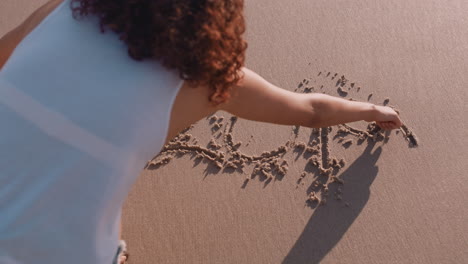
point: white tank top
(79, 120)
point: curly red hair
(201, 39)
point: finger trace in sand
(272, 164)
(409, 136)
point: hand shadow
(330, 222)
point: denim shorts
(122, 247)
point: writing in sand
(224, 153)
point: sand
(234, 191)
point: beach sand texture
(229, 190)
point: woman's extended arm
(256, 99)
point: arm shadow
(330, 222)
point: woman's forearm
(257, 99)
(332, 110)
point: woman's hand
(386, 118)
(123, 259)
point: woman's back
(75, 110)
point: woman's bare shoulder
(10, 40)
(191, 105)
(37, 16)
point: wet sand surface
(229, 190)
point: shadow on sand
(329, 223)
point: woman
(90, 90)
